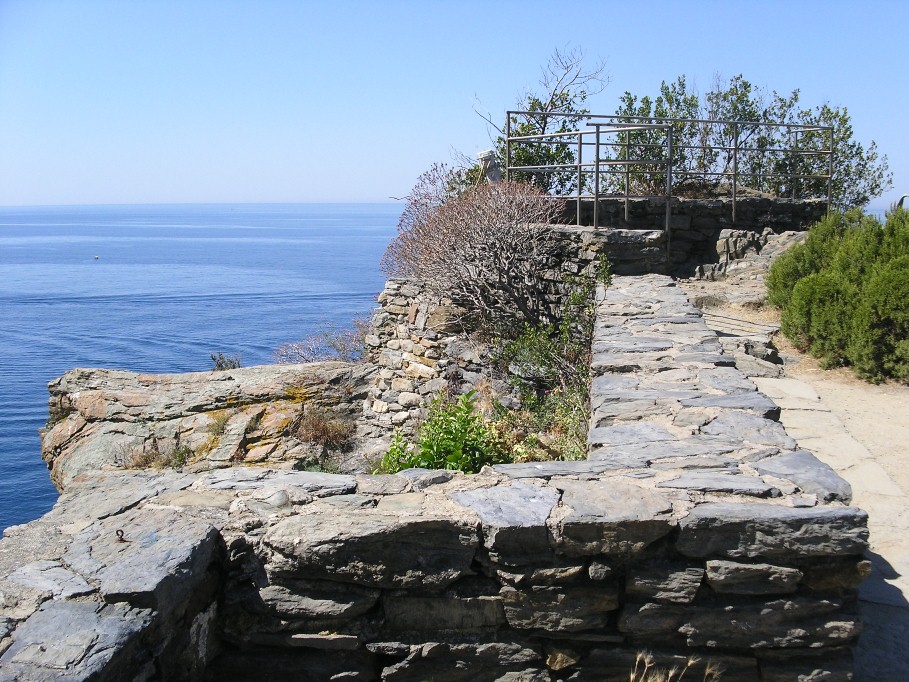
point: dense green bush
(844, 293)
(880, 329)
(814, 318)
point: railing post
(627, 176)
(580, 166)
(830, 173)
(735, 167)
(596, 180)
(507, 145)
(669, 195)
(793, 145)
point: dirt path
(875, 415)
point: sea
(159, 288)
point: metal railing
(654, 158)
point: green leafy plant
(453, 436)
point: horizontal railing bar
(673, 119)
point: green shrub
(453, 436)
(895, 235)
(816, 253)
(879, 346)
(815, 319)
(845, 293)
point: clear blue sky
(147, 101)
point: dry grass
(323, 428)
(646, 670)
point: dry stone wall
(704, 235)
(695, 527)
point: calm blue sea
(157, 289)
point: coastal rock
(112, 418)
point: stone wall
(703, 232)
(695, 527)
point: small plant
(219, 422)
(323, 428)
(222, 362)
(152, 457)
(400, 452)
(322, 465)
(453, 436)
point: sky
(213, 101)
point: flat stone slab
(769, 530)
(550, 469)
(808, 473)
(70, 640)
(719, 482)
(51, 576)
(513, 518)
(622, 434)
(749, 428)
(752, 402)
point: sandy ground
(875, 415)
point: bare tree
(486, 247)
(557, 106)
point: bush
(485, 247)
(814, 318)
(844, 293)
(221, 362)
(453, 436)
(879, 345)
(345, 344)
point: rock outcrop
(102, 418)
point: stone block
(664, 582)
(320, 599)
(513, 519)
(612, 516)
(795, 622)
(560, 609)
(732, 577)
(161, 560)
(769, 530)
(376, 549)
(422, 614)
